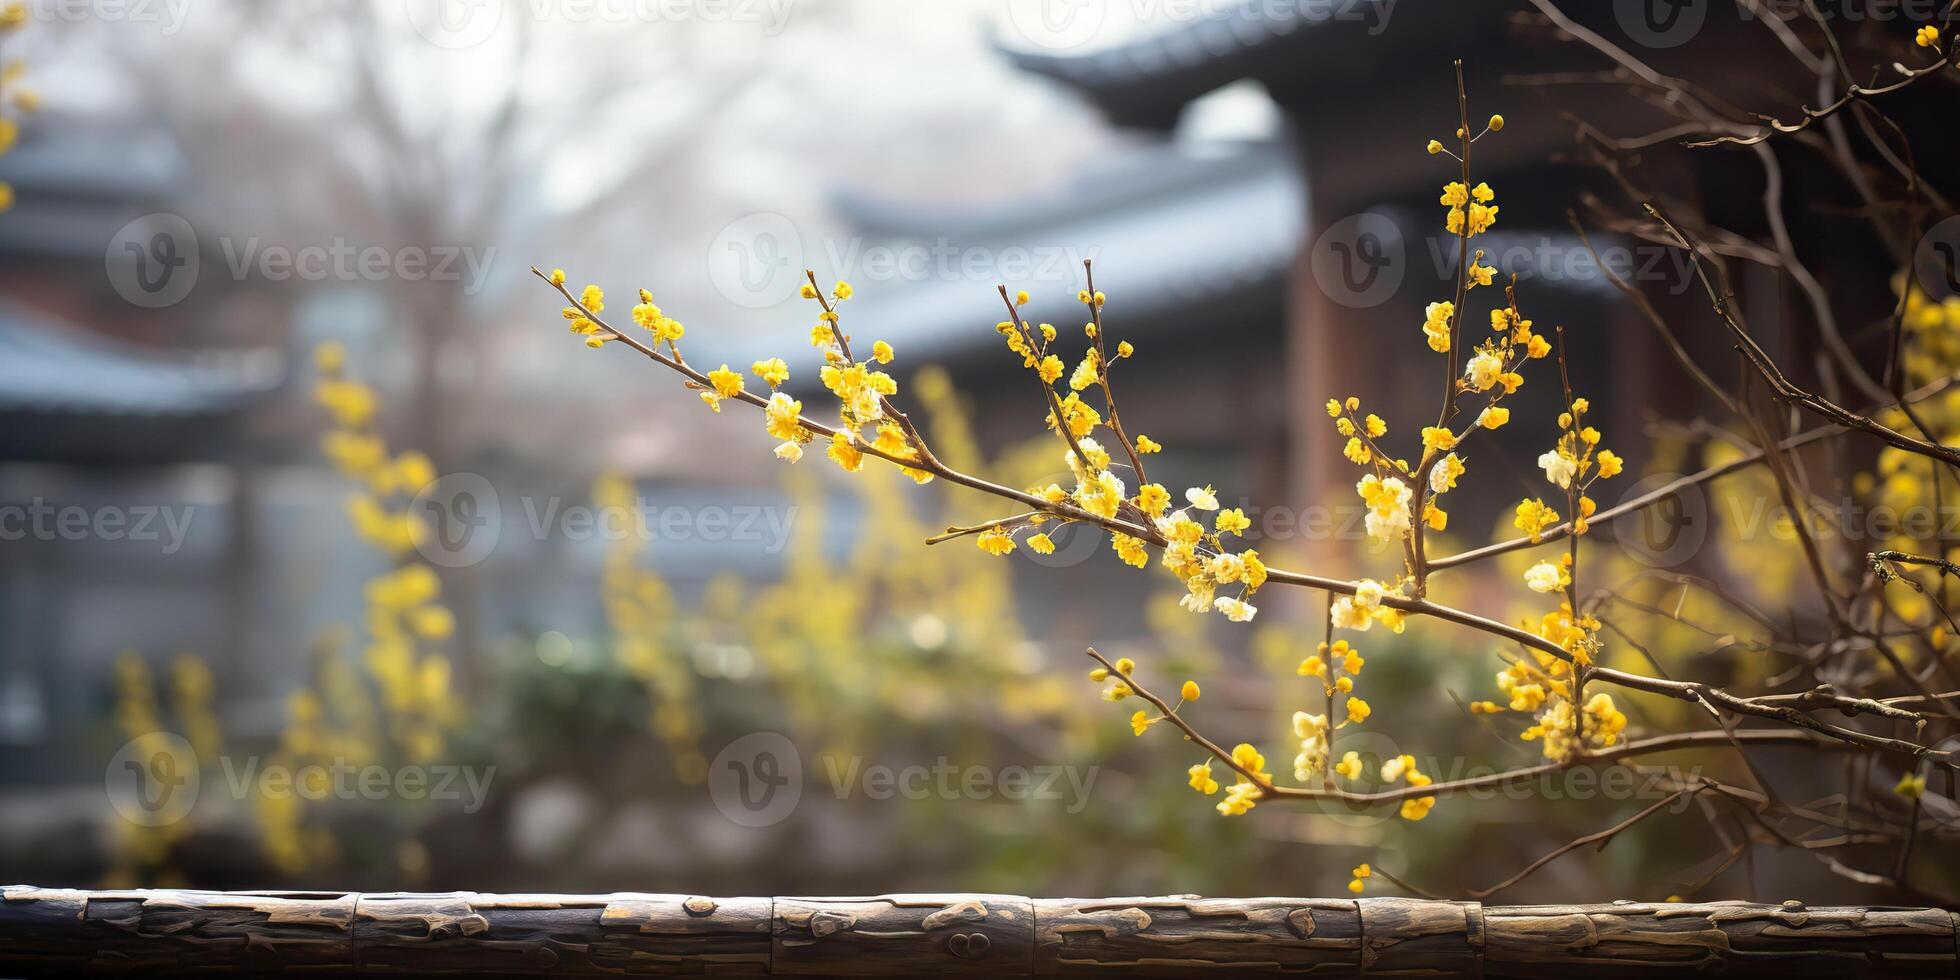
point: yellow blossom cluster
(405, 616)
(641, 611)
(141, 853)
(1543, 687)
(16, 98)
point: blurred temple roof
(1234, 212)
(50, 368)
(1144, 82)
(78, 180)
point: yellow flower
(1132, 551)
(1928, 37)
(1493, 416)
(1356, 886)
(1021, 298)
(1232, 520)
(773, 371)
(1203, 498)
(1496, 124)
(995, 541)
(1349, 767)
(1201, 778)
(1189, 691)
(1435, 437)
(1248, 759)
(1085, 372)
(845, 453)
(1434, 147)
(1239, 798)
(1443, 476)
(1533, 517)
(1436, 319)
(558, 277)
(842, 289)
(1041, 545)
(1140, 722)
(1911, 786)
(1358, 710)
(807, 291)
(1147, 445)
(592, 298)
(728, 384)
(1313, 666)
(882, 352)
(1255, 571)
(1123, 349)
(1050, 369)
(1610, 464)
(790, 451)
(1455, 195)
(782, 417)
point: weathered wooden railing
(55, 931)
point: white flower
(790, 451)
(1443, 475)
(1543, 577)
(1368, 594)
(1203, 499)
(1559, 468)
(1393, 769)
(1349, 616)
(1388, 507)
(1236, 610)
(1483, 370)
(1194, 604)
(1308, 726)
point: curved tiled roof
(50, 368)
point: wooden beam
(63, 932)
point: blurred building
(121, 426)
